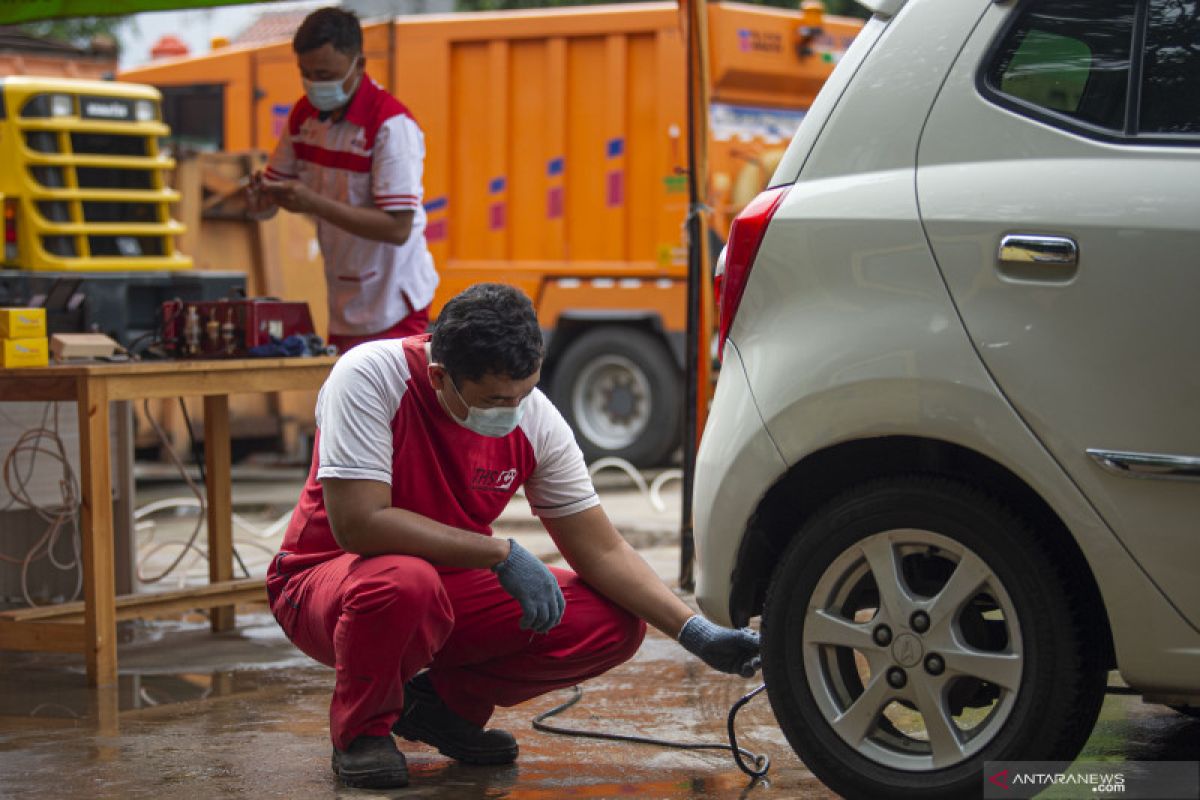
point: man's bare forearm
(609, 565)
(403, 532)
(365, 221)
(364, 521)
(624, 577)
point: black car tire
(1048, 716)
(648, 389)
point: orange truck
(556, 161)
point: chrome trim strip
(1148, 465)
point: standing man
(389, 572)
(351, 155)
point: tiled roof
(272, 26)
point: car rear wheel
(917, 628)
(620, 391)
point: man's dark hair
(488, 328)
(329, 25)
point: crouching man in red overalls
(389, 572)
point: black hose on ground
(761, 763)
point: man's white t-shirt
(379, 419)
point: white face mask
(495, 422)
(329, 95)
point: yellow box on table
(31, 352)
(22, 323)
(23, 340)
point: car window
(1069, 57)
(1170, 101)
(1048, 70)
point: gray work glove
(533, 585)
(732, 650)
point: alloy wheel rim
(913, 692)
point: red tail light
(10, 222)
(744, 239)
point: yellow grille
(90, 192)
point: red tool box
(230, 328)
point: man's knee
(631, 633)
(618, 633)
(402, 585)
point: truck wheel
(620, 391)
(917, 628)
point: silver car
(953, 455)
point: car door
(1059, 185)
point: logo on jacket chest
(484, 479)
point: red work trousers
(414, 324)
(379, 621)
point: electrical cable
(762, 763)
(196, 455)
(58, 518)
(270, 531)
(156, 336)
(191, 542)
(652, 492)
(29, 471)
(62, 710)
(147, 549)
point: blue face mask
(495, 422)
(329, 95)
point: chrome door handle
(1028, 248)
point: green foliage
(845, 8)
(78, 31)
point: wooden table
(91, 625)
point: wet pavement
(260, 730)
(244, 714)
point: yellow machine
(83, 180)
(88, 231)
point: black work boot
(427, 719)
(371, 762)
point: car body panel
(735, 466)
(873, 350)
(1104, 355)
(831, 92)
(848, 330)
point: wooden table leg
(217, 456)
(104, 706)
(99, 584)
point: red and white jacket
(373, 156)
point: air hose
(756, 768)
